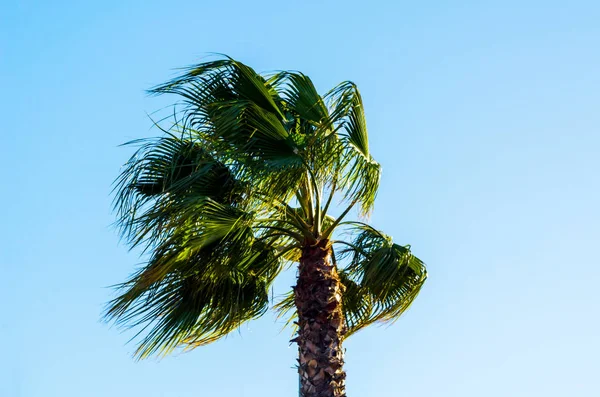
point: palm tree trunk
(321, 328)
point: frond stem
(330, 229)
(294, 235)
(302, 225)
(317, 210)
(333, 186)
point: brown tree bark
(318, 298)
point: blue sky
(484, 115)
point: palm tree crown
(232, 193)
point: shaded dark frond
(382, 278)
(245, 131)
(165, 171)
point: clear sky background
(484, 114)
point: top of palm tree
(232, 192)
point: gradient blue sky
(484, 114)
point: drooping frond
(382, 278)
(199, 300)
(361, 172)
(165, 175)
(208, 275)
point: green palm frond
(203, 83)
(361, 173)
(234, 112)
(348, 106)
(301, 97)
(193, 307)
(164, 172)
(382, 278)
(205, 279)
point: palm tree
(238, 189)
